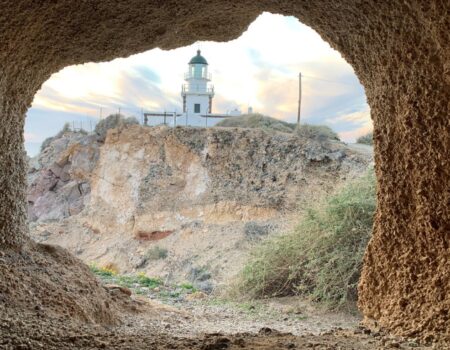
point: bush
(366, 139)
(187, 286)
(268, 124)
(319, 132)
(113, 121)
(106, 271)
(257, 121)
(156, 253)
(322, 257)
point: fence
(89, 121)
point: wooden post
(299, 99)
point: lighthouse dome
(198, 59)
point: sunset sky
(259, 69)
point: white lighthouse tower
(197, 93)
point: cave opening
(399, 52)
(181, 215)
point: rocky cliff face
(59, 178)
(199, 196)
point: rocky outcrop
(172, 189)
(59, 178)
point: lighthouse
(197, 92)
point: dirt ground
(50, 300)
(32, 332)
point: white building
(197, 93)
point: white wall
(203, 100)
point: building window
(197, 108)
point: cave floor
(165, 327)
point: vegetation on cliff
(65, 129)
(113, 121)
(322, 257)
(270, 124)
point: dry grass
(322, 257)
(269, 124)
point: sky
(259, 69)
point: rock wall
(59, 179)
(399, 50)
(143, 172)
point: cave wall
(400, 52)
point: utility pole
(299, 99)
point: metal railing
(195, 75)
(186, 88)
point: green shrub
(187, 286)
(320, 132)
(150, 282)
(366, 139)
(322, 257)
(102, 271)
(139, 280)
(156, 253)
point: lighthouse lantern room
(197, 93)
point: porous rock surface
(400, 52)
